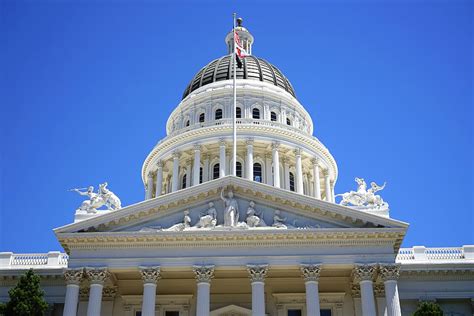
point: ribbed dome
(254, 68)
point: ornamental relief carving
(204, 273)
(150, 274)
(74, 276)
(364, 272)
(389, 272)
(97, 276)
(257, 273)
(311, 272)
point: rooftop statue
(96, 200)
(362, 197)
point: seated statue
(210, 219)
(278, 221)
(253, 219)
(181, 226)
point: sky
(87, 86)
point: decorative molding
(204, 274)
(97, 275)
(389, 271)
(74, 276)
(310, 272)
(150, 274)
(257, 273)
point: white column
(299, 172)
(159, 179)
(327, 183)
(197, 164)
(97, 279)
(150, 276)
(311, 276)
(249, 160)
(204, 274)
(222, 158)
(188, 172)
(317, 181)
(73, 279)
(205, 169)
(268, 169)
(257, 275)
(390, 274)
(149, 186)
(276, 165)
(365, 274)
(175, 180)
(286, 170)
(331, 184)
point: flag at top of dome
(240, 52)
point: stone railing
(421, 254)
(50, 260)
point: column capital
(249, 141)
(315, 161)
(74, 276)
(188, 162)
(197, 147)
(257, 273)
(389, 271)
(326, 172)
(97, 275)
(175, 154)
(379, 290)
(204, 274)
(355, 290)
(275, 145)
(159, 163)
(150, 175)
(150, 274)
(222, 142)
(298, 151)
(364, 272)
(310, 272)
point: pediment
(231, 310)
(165, 213)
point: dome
(253, 68)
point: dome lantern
(245, 37)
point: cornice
(433, 273)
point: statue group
(103, 197)
(364, 197)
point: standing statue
(254, 220)
(210, 219)
(96, 200)
(278, 221)
(231, 209)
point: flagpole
(234, 112)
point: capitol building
(269, 236)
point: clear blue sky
(87, 86)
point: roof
(253, 68)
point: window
(183, 182)
(273, 116)
(288, 121)
(257, 172)
(218, 114)
(238, 169)
(172, 313)
(215, 171)
(256, 113)
(238, 113)
(187, 123)
(326, 312)
(201, 118)
(200, 175)
(292, 182)
(294, 312)
(138, 313)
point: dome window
(292, 182)
(218, 114)
(273, 116)
(238, 169)
(183, 182)
(202, 118)
(238, 112)
(256, 113)
(215, 171)
(288, 121)
(200, 175)
(187, 123)
(257, 172)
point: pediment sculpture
(364, 198)
(103, 197)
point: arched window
(292, 182)
(218, 114)
(238, 113)
(273, 116)
(200, 175)
(201, 117)
(238, 169)
(183, 182)
(216, 171)
(187, 123)
(256, 113)
(257, 172)
(288, 121)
